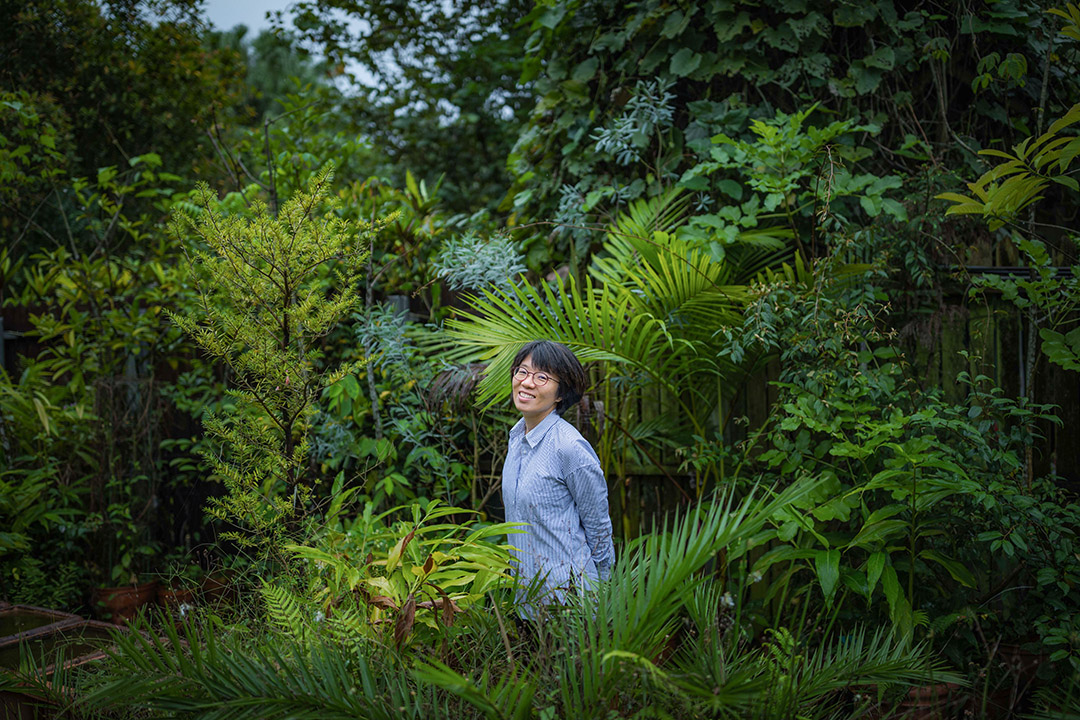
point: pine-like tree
(270, 287)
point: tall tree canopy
(132, 76)
(630, 96)
(436, 84)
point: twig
(505, 637)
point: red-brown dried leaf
(382, 601)
(449, 608)
(404, 625)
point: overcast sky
(226, 14)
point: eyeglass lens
(539, 378)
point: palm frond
(878, 659)
(636, 226)
(784, 679)
(597, 323)
(507, 699)
(676, 282)
(192, 672)
(1058, 703)
(632, 613)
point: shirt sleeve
(589, 490)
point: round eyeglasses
(540, 378)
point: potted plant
(177, 588)
(125, 550)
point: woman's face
(533, 400)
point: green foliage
(1014, 185)
(1023, 177)
(32, 432)
(271, 288)
(1036, 529)
(606, 658)
(202, 672)
(33, 141)
(1049, 294)
(127, 76)
(910, 485)
(81, 424)
(45, 583)
(472, 262)
(615, 640)
(651, 306)
(437, 94)
(718, 175)
(714, 69)
(405, 419)
(411, 573)
(786, 174)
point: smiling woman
(552, 479)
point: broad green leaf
(394, 556)
(382, 585)
(874, 565)
(884, 58)
(959, 573)
(675, 24)
(552, 15)
(827, 566)
(891, 585)
(784, 553)
(684, 62)
(878, 532)
(1062, 349)
(585, 70)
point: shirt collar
(537, 434)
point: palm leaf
(191, 672)
(597, 323)
(644, 217)
(633, 613)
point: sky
(226, 14)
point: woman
(552, 478)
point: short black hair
(561, 362)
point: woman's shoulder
(571, 444)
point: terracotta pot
(1017, 668)
(939, 701)
(174, 597)
(219, 586)
(119, 605)
(1024, 663)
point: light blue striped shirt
(552, 480)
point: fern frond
(283, 611)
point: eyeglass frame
(534, 373)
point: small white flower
(184, 609)
(319, 616)
(755, 577)
(727, 600)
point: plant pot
(173, 597)
(219, 586)
(119, 605)
(1023, 663)
(1017, 669)
(939, 701)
